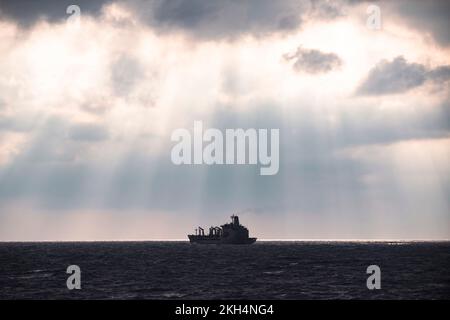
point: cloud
(88, 132)
(431, 16)
(125, 74)
(328, 9)
(28, 12)
(398, 76)
(201, 18)
(17, 124)
(55, 172)
(205, 19)
(229, 19)
(221, 19)
(393, 77)
(313, 61)
(440, 74)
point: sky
(88, 104)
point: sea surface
(264, 270)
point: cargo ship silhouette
(229, 233)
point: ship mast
(235, 220)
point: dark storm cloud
(201, 18)
(27, 12)
(313, 61)
(217, 19)
(430, 16)
(230, 18)
(398, 75)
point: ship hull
(219, 240)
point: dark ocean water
(265, 270)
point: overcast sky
(87, 111)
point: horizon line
(258, 240)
